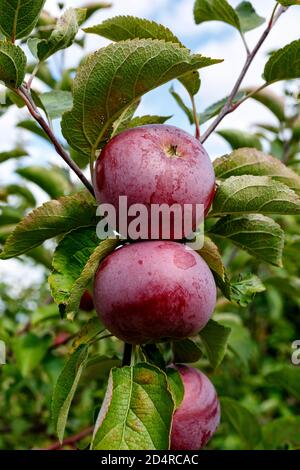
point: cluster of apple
(157, 290)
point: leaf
(188, 111)
(249, 161)
(248, 17)
(243, 421)
(12, 64)
(9, 215)
(122, 28)
(274, 103)
(31, 126)
(238, 139)
(211, 255)
(15, 153)
(89, 331)
(29, 351)
(215, 10)
(92, 8)
(146, 120)
(283, 64)
(65, 389)
(61, 37)
(52, 180)
(50, 220)
(215, 108)
(186, 351)
(281, 432)
(153, 355)
(19, 17)
(258, 235)
(254, 195)
(286, 378)
(243, 291)
(18, 190)
(124, 119)
(215, 337)
(136, 412)
(176, 386)
(288, 3)
(75, 262)
(113, 78)
(57, 102)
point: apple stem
(196, 118)
(229, 106)
(127, 354)
(26, 97)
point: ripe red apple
(155, 164)
(153, 290)
(198, 416)
(86, 302)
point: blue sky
(213, 39)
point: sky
(213, 39)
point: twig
(127, 355)
(33, 75)
(227, 108)
(24, 94)
(245, 43)
(196, 118)
(71, 440)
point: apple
(154, 290)
(86, 302)
(155, 164)
(198, 416)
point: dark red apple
(155, 164)
(198, 416)
(86, 302)
(153, 290)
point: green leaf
(211, 255)
(16, 153)
(146, 120)
(124, 119)
(249, 161)
(56, 102)
(75, 262)
(243, 291)
(50, 220)
(243, 421)
(281, 432)
(122, 28)
(175, 385)
(238, 139)
(215, 10)
(12, 64)
(186, 351)
(283, 64)
(286, 378)
(215, 108)
(31, 126)
(19, 17)
(153, 355)
(52, 180)
(44, 313)
(258, 235)
(104, 88)
(29, 351)
(215, 338)
(89, 331)
(254, 195)
(188, 111)
(61, 37)
(123, 424)
(248, 17)
(65, 389)
(92, 8)
(9, 215)
(274, 103)
(18, 190)
(288, 3)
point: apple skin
(86, 302)
(140, 163)
(198, 416)
(154, 290)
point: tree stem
(127, 355)
(229, 107)
(71, 440)
(24, 94)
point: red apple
(155, 164)
(198, 416)
(86, 302)
(154, 290)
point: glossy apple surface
(154, 290)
